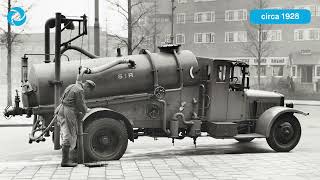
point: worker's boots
(65, 158)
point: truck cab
(233, 110)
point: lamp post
(172, 20)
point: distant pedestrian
(71, 109)
(291, 86)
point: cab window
(221, 76)
(237, 75)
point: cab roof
(234, 62)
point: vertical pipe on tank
(50, 23)
(203, 94)
(164, 116)
(24, 69)
(154, 69)
(57, 84)
(96, 29)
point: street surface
(149, 159)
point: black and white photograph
(160, 89)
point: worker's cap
(91, 84)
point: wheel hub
(105, 140)
(286, 131)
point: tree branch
(118, 5)
(141, 40)
(139, 17)
(124, 15)
(136, 4)
(121, 39)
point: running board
(251, 135)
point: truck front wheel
(105, 139)
(285, 133)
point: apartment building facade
(221, 29)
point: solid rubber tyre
(285, 133)
(105, 139)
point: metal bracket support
(54, 82)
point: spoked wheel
(244, 140)
(106, 139)
(285, 134)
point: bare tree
(8, 38)
(135, 13)
(258, 46)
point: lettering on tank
(122, 76)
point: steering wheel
(236, 79)
(237, 87)
(234, 85)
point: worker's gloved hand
(80, 115)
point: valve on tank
(16, 110)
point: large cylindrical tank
(119, 80)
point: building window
(182, 1)
(262, 61)
(162, 19)
(277, 70)
(314, 34)
(263, 71)
(306, 73)
(202, 17)
(229, 16)
(307, 34)
(180, 38)
(272, 35)
(236, 36)
(181, 18)
(236, 15)
(198, 38)
(294, 71)
(299, 34)
(242, 14)
(311, 8)
(317, 68)
(207, 37)
(168, 38)
(229, 36)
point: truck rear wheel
(106, 139)
(285, 133)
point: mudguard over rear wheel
(285, 133)
(105, 139)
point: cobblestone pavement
(148, 159)
(225, 166)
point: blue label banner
(280, 16)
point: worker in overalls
(71, 109)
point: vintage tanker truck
(171, 94)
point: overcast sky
(44, 9)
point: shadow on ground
(233, 148)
